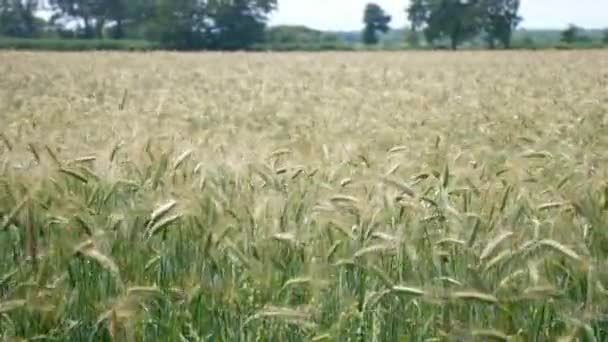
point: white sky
(348, 14)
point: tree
(500, 19)
(287, 34)
(85, 10)
(412, 38)
(122, 15)
(375, 20)
(573, 34)
(238, 24)
(456, 20)
(134, 18)
(605, 37)
(209, 24)
(17, 18)
(96, 15)
(418, 13)
(569, 34)
(179, 24)
(117, 11)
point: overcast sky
(348, 14)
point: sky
(348, 14)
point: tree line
(453, 20)
(459, 21)
(242, 24)
(180, 24)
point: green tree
(238, 24)
(179, 24)
(287, 34)
(413, 38)
(573, 34)
(419, 13)
(87, 11)
(605, 37)
(117, 12)
(499, 19)
(209, 24)
(300, 37)
(456, 20)
(17, 18)
(134, 18)
(569, 35)
(375, 20)
(122, 15)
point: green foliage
(17, 18)
(89, 11)
(459, 21)
(195, 24)
(575, 35)
(179, 24)
(570, 35)
(292, 38)
(413, 38)
(500, 19)
(57, 44)
(238, 24)
(376, 20)
(119, 11)
(525, 42)
(418, 13)
(293, 34)
(455, 20)
(241, 24)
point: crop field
(423, 196)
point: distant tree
(456, 20)
(292, 34)
(499, 19)
(331, 40)
(96, 15)
(413, 38)
(418, 13)
(298, 37)
(605, 37)
(17, 18)
(209, 24)
(118, 11)
(529, 42)
(375, 20)
(136, 20)
(238, 24)
(573, 34)
(86, 11)
(570, 35)
(179, 24)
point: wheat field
(424, 196)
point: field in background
(298, 197)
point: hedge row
(57, 44)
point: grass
(304, 197)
